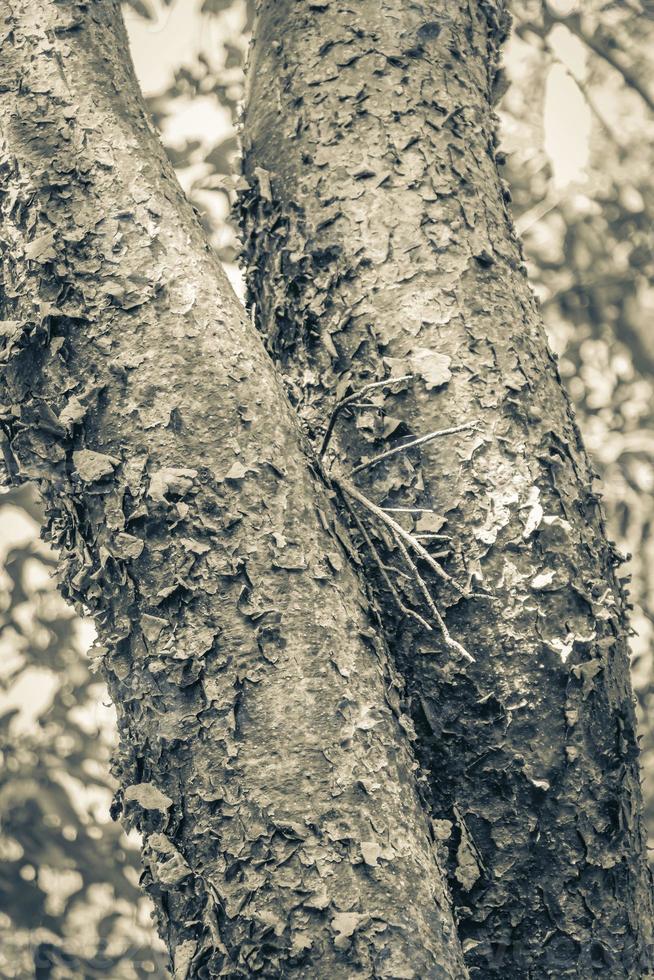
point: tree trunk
(263, 750)
(379, 243)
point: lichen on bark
(263, 749)
(377, 238)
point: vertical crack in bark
(263, 749)
(378, 243)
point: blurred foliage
(68, 876)
(69, 895)
(213, 79)
(590, 254)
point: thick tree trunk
(263, 751)
(378, 242)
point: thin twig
(449, 640)
(409, 539)
(384, 572)
(350, 400)
(403, 539)
(411, 445)
(396, 571)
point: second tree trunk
(379, 244)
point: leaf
(264, 183)
(152, 627)
(127, 546)
(73, 411)
(148, 796)
(196, 547)
(429, 523)
(543, 580)
(344, 925)
(40, 249)
(236, 471)
(467, 870)
(184, 954)
(92, 466)
(432, 367)
(170, 479)
(370, 852)
(586, 672)
(318, 900)
(171, 867)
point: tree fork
(263, 751)
(378, 243)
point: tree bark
(263, 751)
(378, 243)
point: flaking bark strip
(263, 751)
(378, 242)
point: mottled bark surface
(379, 242)
(263, 751)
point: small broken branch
(422, 585)
(404, 539)
(409, 539)
(404, 609)
(411, 445)
(396, 571)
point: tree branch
(420, 441)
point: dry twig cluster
(409, 545)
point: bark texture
(378, 243)
(263, 750)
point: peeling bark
(263, 750)
(379, 243)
